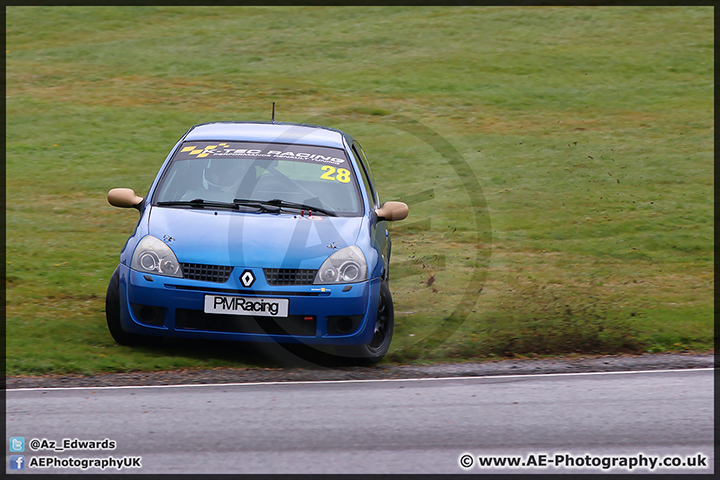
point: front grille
(206, 273)
(296, 325)
(289, 276)
(233, 291)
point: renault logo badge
(247, 278)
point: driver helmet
(224, 174)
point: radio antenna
(273, 113)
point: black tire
(112, 314)
(374, 351)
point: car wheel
(374, 351)
(112, 314)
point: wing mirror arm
(124, 198)
(392, 211)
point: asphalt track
(381, 426)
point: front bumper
(316, 314)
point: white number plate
(261, 307)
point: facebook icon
(17, 462)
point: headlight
(345, 266)
(153, 256)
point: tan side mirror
(123, 197)
(392, 211)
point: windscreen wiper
(285, 204)
(264, 206)
(197, 203)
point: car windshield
(244, 173)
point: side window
(366, 174)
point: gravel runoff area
(383, 371)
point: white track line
(315, 382)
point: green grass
(582, 136)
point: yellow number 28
(343, 175)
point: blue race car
(261, 232)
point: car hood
(252, 240)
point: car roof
(276, 132)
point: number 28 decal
(343, 175)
